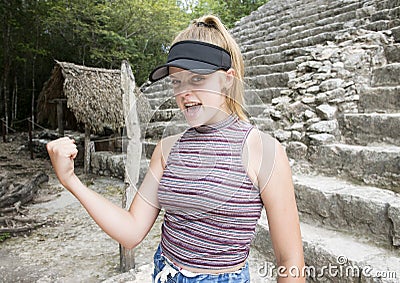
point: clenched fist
(62, 154)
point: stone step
(165, 115)
(396, 33)
(286, 51)
(301, 40)
(361, 210)
(349, 258)
(382, 99)
(392, 53)
(162, 102)
(306, 27)
(269, 14)
(387, 75)
(162, 94)
(365, 128)
(377, 165)
(255, 110)
(321, 15)
(144, 167)
(148, 147)
(386, 14)
(288, 55)
(157, 130)
(271, 80)
(381, 25)
(270, 69)
(266, 125)
(264, 94)
(385, 4)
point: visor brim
(185, 64)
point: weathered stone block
(387, 75)
(367, 128)
(326, 111)
(392, 53)
(330, 126)
(382, 99)
(348, 207)
(320, 139)
(296, 150)
(372, 165)
(331, 84)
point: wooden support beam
(133, 152)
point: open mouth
(192, 109)
(192, 104)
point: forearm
(112, 219)
(291, 271)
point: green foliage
(103, 33)
(98, 33)
(228, 11)
(4, 236)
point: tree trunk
(133, 152)
(6, 58)
(14, 101)
(33, 94)
(60, 117)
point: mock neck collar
(224, 123)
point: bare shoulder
(259, 156)
(258, 139)
(164, 146)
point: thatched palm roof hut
(93, 97)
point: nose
(182, 91)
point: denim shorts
(166, 272)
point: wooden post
(60, 117)
(30, 137)
(3, 130)
(133, 152)
(86, 164)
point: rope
(16, 122)
(4, 123)
(110, 139)
(29, 119)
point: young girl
(212, 180)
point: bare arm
(274, 178)
(126, 227)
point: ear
(230, 78)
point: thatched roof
(93, 95)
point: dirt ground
(70, 247)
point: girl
(212, 180)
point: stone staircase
(346, 189)
(303, 58)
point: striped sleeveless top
(211, 206)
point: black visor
(196, 56)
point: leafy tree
(102, 33)
(229, 11)
(97, 33)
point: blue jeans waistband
(166, 271)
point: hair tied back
(205, 25)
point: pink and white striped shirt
(211, 205)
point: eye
(175, 82)
(197, 78)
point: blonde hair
(215, 32)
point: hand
(62, 154)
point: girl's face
(202, 98)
